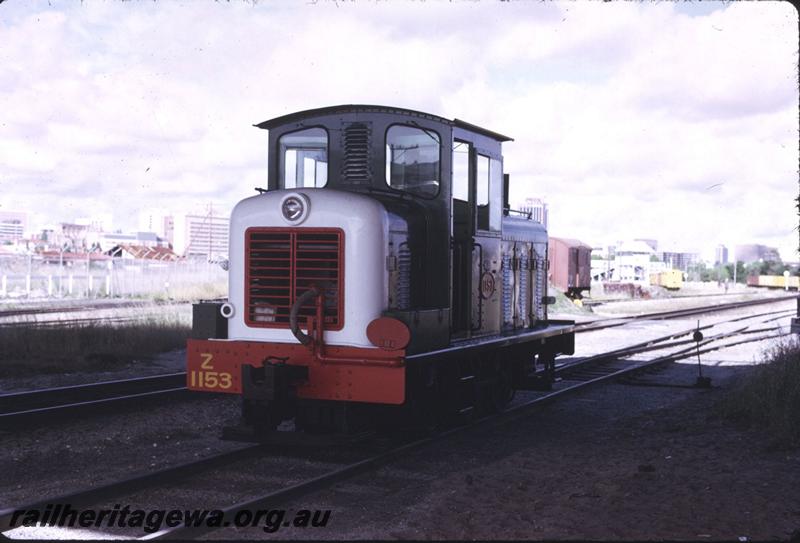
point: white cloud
(623, 113)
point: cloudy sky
(668, 120)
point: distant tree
(723, 273)
(741, 272)
(773, 268)
(699, 272)
(654, 258)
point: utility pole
(210, 226)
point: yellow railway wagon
(774, 281)
(770, 281)
(779, 281)
(669, 279)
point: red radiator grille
(282, 263)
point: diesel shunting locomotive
(379, 276)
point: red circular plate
(388, 333)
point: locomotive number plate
(207, 378)
(487, 285)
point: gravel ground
(171, 362)
(615, 462)
(54, 459)
(618, 309)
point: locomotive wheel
(502, 391)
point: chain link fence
(35, 277)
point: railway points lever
(702, 382)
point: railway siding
(323, 479)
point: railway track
(77, 307)
(600, 301)
(87, 315)
(337, 466)
(86, 321)
(601, 324)
(22, 408)
(29, 407)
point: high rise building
(753, 252)
(156, 220)
(677, 260)
(201, 235)
(13, 225)
(101, 222)
(721, 255)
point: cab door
(477, 185)
(463, 230)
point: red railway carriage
(378, 277)
(570, 263)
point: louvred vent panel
(356, 160)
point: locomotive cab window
(303, 159)
(461, 171)
(489, 180)
(495, 194)
(412, 160)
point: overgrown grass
(187, 292)
(95, 346)
(769, 398)
(193, 292)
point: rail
(573, 378)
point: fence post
(110, 277)
(69, 284)
(90, 288)
(28, 276)
(4, 286)
(49, 285)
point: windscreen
(304, 159)
(412, 160)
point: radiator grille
(282, 263)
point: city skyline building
(678, 260)
(201, 235)
(721, 255)
(752, 252)
(99, 222)
(13, 225)
(156, 220)
(537, 208)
